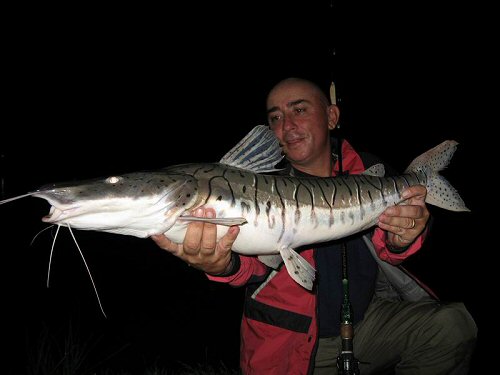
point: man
(289, 330)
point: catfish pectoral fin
(227, 221)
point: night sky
(97, 92)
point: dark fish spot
(188, 195)
(244, 188)
(219, 198)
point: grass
(66, 353)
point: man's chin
(292, 156)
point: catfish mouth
(53, 215)
(56, 214)
(60, 205)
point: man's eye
(274, 118)
(300, 110)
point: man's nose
(288, 122)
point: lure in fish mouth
(277, 213)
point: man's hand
(404, 223)
(200, 248)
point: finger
(400, 237)
(415, 194)
(401, 225)
(394, 229)
(209, 235)
(164, 243)
(401, 241)
(396, 219)
(404, 211)
(226, 242)
(194, 232)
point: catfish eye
(113, 179)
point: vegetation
(68, 354)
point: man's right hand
(200, 248)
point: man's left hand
(405, 222)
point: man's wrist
(232, 267)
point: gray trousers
(400, 337)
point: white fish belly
(271, 230)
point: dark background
(92, 92)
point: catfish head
(139, 204)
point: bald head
(294, 83)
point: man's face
(298, 115)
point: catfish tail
(440, 192)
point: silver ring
(412, 224)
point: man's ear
(333, 116)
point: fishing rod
(347, 364)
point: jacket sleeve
(379, 241)
(251, 269)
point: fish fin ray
(377, 170)
(442, 194)
(438, 157)
(259, 151)
(272, 261)
(227, 221)
(298, 268)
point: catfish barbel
(276, 213)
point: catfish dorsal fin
(259, 151)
